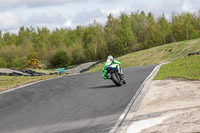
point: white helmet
(110, 57)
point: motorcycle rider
(110, 60)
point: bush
(19, 62)
(60, 59)
(3, 63)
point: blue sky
(70, 13)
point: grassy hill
(175, 53)
(182, 68)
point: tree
(126, 37)
(198, 23)
(177, 28)
(93, 40)
(151, 33)
(24, 37)
(1, 39)
(110, 35)
(188, 26)
(139, 22)
(164, 29)
(183, 26)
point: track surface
(82, 103)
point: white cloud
(84, 17)
(188, 8)
(166, 6)
(69, 24)
(50, 17)
(9, 20)
(8, 4)
(140, 6)
(70, 13)
(195, 4)
(114, 12)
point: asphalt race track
(83, 103)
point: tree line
(118, 36)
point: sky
(70, 13)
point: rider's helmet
(110, 57)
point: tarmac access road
(82, 103)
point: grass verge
(184, 68)
(9, 82)
(156, 55)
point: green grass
(187, 68)
(156, 55)
(8, 82)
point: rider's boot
(123, 80)
(108, 76)
(122, 76)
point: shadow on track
(103, 87)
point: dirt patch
(186, 122)
(170, 94)
(176, 102)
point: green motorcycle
(114, 75)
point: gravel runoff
(177, 105)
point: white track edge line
(128, 107)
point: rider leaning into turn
(110, 60)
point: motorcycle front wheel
(116, 79)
